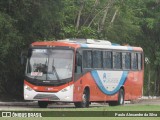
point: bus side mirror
(23, 58)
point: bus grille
(46, 96)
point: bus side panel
(128, 87)
(95, 93)
(131, 81)
(137, 85)
(133, 85)
(137, 82)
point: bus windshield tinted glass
(49, 64)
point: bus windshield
(50, 64)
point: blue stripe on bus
(115, 44)
(83, 45)
(103, 89)
(130, 48)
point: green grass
(84, 118)
(105, 108)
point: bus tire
(120, 99)
(42, 104)
(77, 104)
(85, 100)
(112, 103)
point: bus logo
(104, 77)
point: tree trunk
(157, 81)
(94, 18)
(114, 16)
(94, 7)
(105, 15)
(149, 79)
(155, 84)
(79, 15)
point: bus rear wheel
(85, 100)
(42, 104)
(120, 99)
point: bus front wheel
(42, 104)
(85, 100)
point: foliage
(22, 22)
(10, 46)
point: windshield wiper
(55, 71)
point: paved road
(34, 105)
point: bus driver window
(78, 63)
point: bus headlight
(65, 89)
(27, 87)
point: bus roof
(87, 43)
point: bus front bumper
(64, 95)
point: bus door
(78, 76)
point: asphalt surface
(25, 105)
(34, 105)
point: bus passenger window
(107, 59)
(135, 61)
(127, 61)
(139, 61)
(97, 59)
(117, 60)
(87, 59)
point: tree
(150, 24)
(22, 22)
(10, 46)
